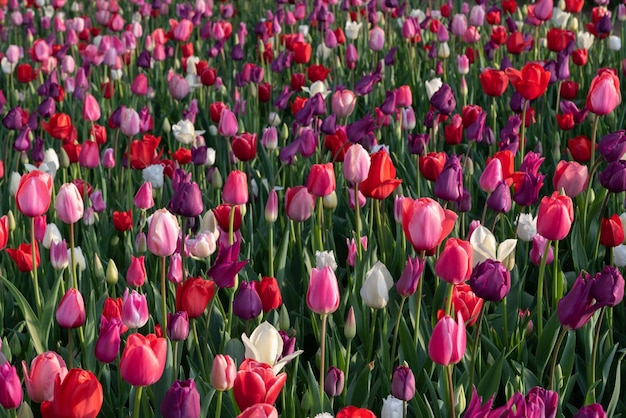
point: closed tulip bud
(228, 125)
(333, 384)
(356, 164)
(98, 269)
(500, 199)
(299, 203)
(108, 343)
(349, 327)
(343, 103)
(448, 341)
(611, 231)
(490, 280)
(538, 249)
(223, 373)
(181, 400)
(604, 93)
(321, 180)
(330, 201)
(187, 200)
(134, 309)
(403, 383)
(71, 310)
(408, 281)
(143, 198)
(235, 190)
(136, 274)
(175, 269)
(375, 290)
(247, 303)
(454, 264)
(323, 291)
(58, 255)
(608, 287)
(91, 108)
(491, 176)
(112, 273)
(555, 217)
(108, 158)
(177, 326)
(163, 233)
(129, 122)
(575, 309)
(34, 193)
(11, 394)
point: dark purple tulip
(282, 100)
(390, 57)
(46, 108)
(550, 66)
(544, 401)
(181, 400)
(366, 84)
(500, 199)
(403, 383)
(389, 104)
(318, 104)
(357, 130)
(528, 190)
(562, 66)
(289, 344)
(443, 100)
(187, 200)
(576, 307)
(474, 132)
(198, 155)
(180, 176)
(333, 385)
(37, 151)
(418, 143)
(505, 63)
(116, 117)
(591, 411)
(604, 25)
(237, 52)
(329, 126)
(13, 119)
(613, 178)
(608, 287)
(177, 326)
(304, 117)
(516, 103)
(449, 184)
(532, 162)
(22, 141)
(490, 280)
(407, 283)
(108, 344)
(247, 303)
(490, 50)
(429, 119)
(288, 153)
(226, 266)
(308, 142)
(488, 137)
(464, 204)
(510, 24)
(570, 107)
(613, 146)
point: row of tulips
(334, 92)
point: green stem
(450, 387)
(418, 302)
(197, 342)
(475, 344)
(542, 270)
(591, 366)
(347, 371)
(505, 325)
(137, 402)
(69, 348)
(593, 141)
(557, 283)
(163, 294)
(381, 238)
(271, 250)
(34, 260)
(320, 224)
(605, 201)
(322, 352)
(231, 226)
(182, 247)
(449, 300)
(175, 347)
(73, 259)
(395, 332)
(218, 408)
(370, 345)
(522, 144)
(357, 226)
(555, 355)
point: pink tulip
(139, 86)
(299, 203)
(34, 193)
(182, 30)
(44, 370)
(143, 360)
(91, 108)
(454, 264)
(223, 372)
(321, 180)
(89, 156)
(352, 250)
(571, 177)
(134, 309)
(322, 296)
(377, 39)
(604, 93)
(108, 343)
(356, 164)
(136, 274)
(491, 176)
(426, 223)
(228, 125)
(178, 87)
(404, 96)
(543, 9)
(108, 158)
(69, 204)
(235, 191)
(71, 310)
(163, 233)
(448, 341)
(343, 102)
(143, 198)
(129, 122)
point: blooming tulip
(571, 177)
(485, 248)
(265, 345)
(426, 223)
(381, 179)
(193, 296)
(44, 370)
(448, 340)
(259, 410)
(163, 233)
(257, 383)
(555, 217)
(490, 280)
(611, 231)
(34, 193)
(143, 360)
(223, 372)
(375, 290)
(79, 394)
(576, 308)
(608, 287)
(181, 400)
(531, 82)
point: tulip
(265, 345)
(491, 176)
(576, 308)
(604, 93)
(443, 100)
(193, 296)
(381, 180)
(257, 383)
(129, 122)
(426, 223)
(466, 303)
(244, 146)
(449, 183)
(44, 370)
(4, 231)
(591, 411)
(269, 292)
(410, 277)
(431, 165)
(143, 198)
(260, 410)
(531, 82)
(611, 231)
(34, 193)
(163, 233)
(181, 400)
(613, 146)
(299, 203)
(485, 248)
(555, 217)
(403, 383)
(69, 204)
(235, 191)
(333, 383)
(177, 326)
(10, 387)
(71, 310)
(134, 309)
(343, 103)
(91, 108)
(323, 292)
(321, 180)
(356, 164)
(143, 360)
(352, 249)
(608, 287)
(226, 265)
(613, 178)
(571, 177)
(538, 249)
(490, 280)
(448, 340)
(247, 303)
(227, 125)
(136, 274)
(108, 343)
(79, 394)
(223, 372)
(375, 290)
(187, 200)
(454, 264)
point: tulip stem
(593, 143)
(69, 348)
(322, 352)
(348, 357)
(34, 264)
(271, 250)
(557, 282)
(542, 270)
(320, 224)
(218, 408)
(555, 355)
(137, 403)
(605, 201)
(197, 342)
(395, 333)
(72, 259)
(182, 247)
(449, 300)
(450, 387)
(175, 353)
(418, 301)
(522, 145)
(357, 226)
(231, 226)
(370, 346)
(591, 366)
(163, 294)
(475, 343)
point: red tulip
(79, 395)
(494, 82)
(269, 292)
(123, 221)
(193, 296)
(244, 146)
(59, 126)
(25, 73)
(302, 52)
(34, 193)
(555, 217)
(235, 191)
(611, 231)
(23, 257)
(381, 180)
(222, 216)
(4, 231)
(256, 383)
(355, 412)
(143, 359)
(143, 152)
(431, 165)
(531, 82)
(580, 148)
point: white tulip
(375, 290)
(485, 248)
(526, 227)
(266, 345)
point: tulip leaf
(567, 359)
(491, 380)
(546, 343)
(579, 255)
(281, 258)
(616, 386)
(47, 319)
(32, 322)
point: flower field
(328, 208)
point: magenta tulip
(322, 297)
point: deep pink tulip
(69, 204)
(143, 359)
(143, 198)
(182, 30)
(356, 164)
(271, 207)
(163, 233)
(134, 309)
(228, 125)
(321, 181)
(34, 193)
(491, 176)
(571, 177)
(108, 343)
(89, 156)
(235, 191)
(71, 310)
(108, 158)
(11, 394)
(322, 297)
(136, 274)
(44, 370)
(448, 340)
(139, 87)
(426, 224)
(555, 217)
(299, 203)
(91, 108)
(454, 264)
(604, 93)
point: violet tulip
(576, 308)
(177, 326)
(410, 277)
(403, 383)
(109, 339)
(608, 287)
(247, 303)
(333, 384)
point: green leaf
(579, 255)
(490, 381)
(32, 322)
(47, 319)
(616, 386)
(546, 343)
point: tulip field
(312, 209)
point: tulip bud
(12, 224)
(333, 385)
(112, 273)
(98, 270)
(58, 255)
(283, 319)
(349, 328)
(177, 326)
(330, 201)
(64, 159)
(403, 383)
(223, 373)
(140, 243)
(71, 310)
(181, 400)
